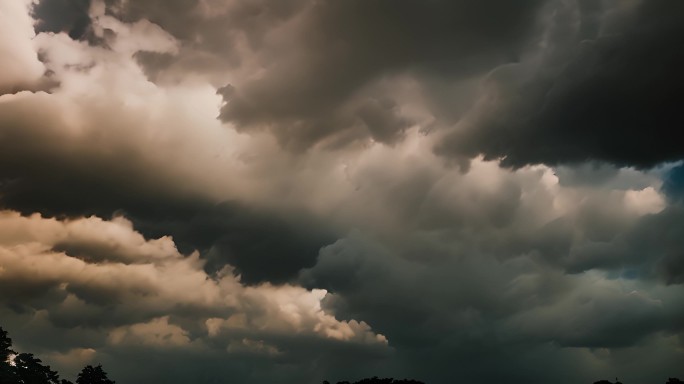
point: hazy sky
(286, 191)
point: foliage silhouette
(93, 375)
(5, 346)
(30, 370)
(377, 380)
(608, 382)
(25, 368)
(6, 370)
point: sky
(287, 191)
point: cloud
(250, 191)
(143, 292)
(312, 92)
(300, 71)
(19, 65)
(98, 151)
(469, 305)
(602, 88)
(673, 185)
(62, 16)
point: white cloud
(19, 65)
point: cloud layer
(102, 276)
(292, 191)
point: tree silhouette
(377, 380)
(93, 375)
(5, 346)
(674, 380)
(6, 370)
(30, 370)
(24, 368)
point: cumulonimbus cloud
(249, 190)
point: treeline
(377, 380)
(25, 368)
(671, 380)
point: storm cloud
(297, 191)
(605, 87)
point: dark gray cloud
(262, 245)
(659, 238)
(477, 311)
(212, 32)
(644, 249)
(673, 185)
(305, 67)
(607, 92)
(70, 16)
(309, 93)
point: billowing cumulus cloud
(315, 89)
(291, 191)
(320, 72)
(144, 294)
(19, 65)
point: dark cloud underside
(70, 16)
(309, 92)
(612, 98)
